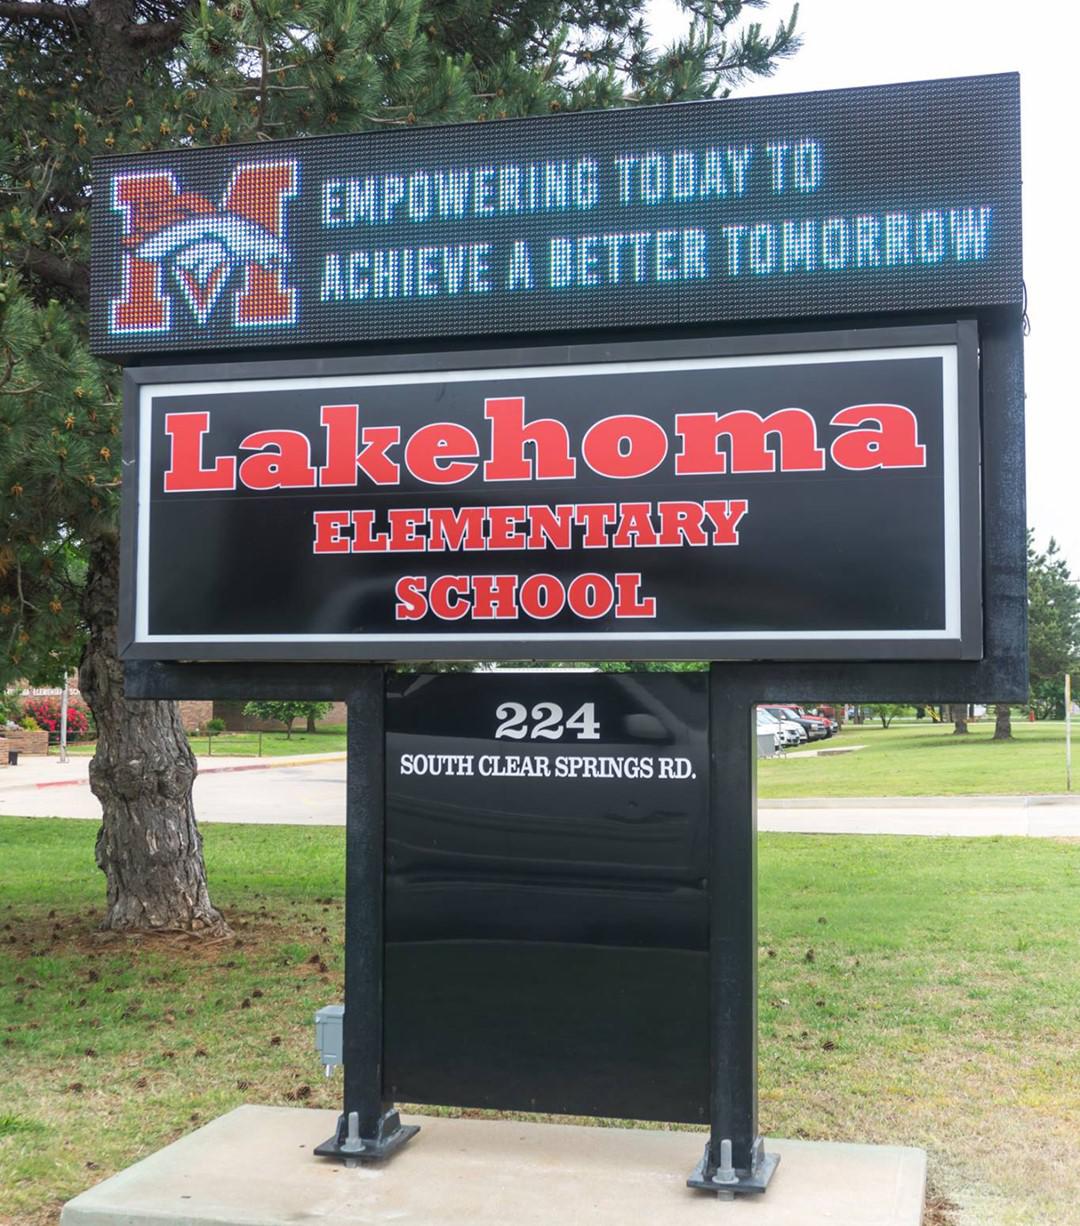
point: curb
(262, 766)
(1020, 801)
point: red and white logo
(180, 241)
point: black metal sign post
(827, 501)
(369, 1128)
(735, 1159)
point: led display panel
(804, 496)
(891, 198)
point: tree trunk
(958, 715)
(1002, 722)
(149, 846)
(310, 724)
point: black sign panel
(547, 918)
(894, 198)
(681, 501)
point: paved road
(311, 791)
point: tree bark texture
(149, 846)
(958, 715)
(1002, 722)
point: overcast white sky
(869, 42)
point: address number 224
(549, 722)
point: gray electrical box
(330, 1035)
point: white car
(790, 733)
(766, 724)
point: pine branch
(156, 35)
(22, 10)
(75, 278)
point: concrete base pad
(254, 1167)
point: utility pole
(64, 720)
(1068, 732)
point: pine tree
(1053, 627)
(82, 78)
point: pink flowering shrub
(46, 714)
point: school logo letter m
(182, 242)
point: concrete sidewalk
(310, 791)
(983, 816)
(45, 772)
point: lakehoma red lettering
(627, 446)
(186, 472)
(343, 448)
(596, 516)
(542, 596)
(681, 521)
(446, 597)
(508, 597)
(726, 516)
(342, 425)
(501, 524)
(892, 442)
(747, 432)
(365, 538)
(289, 467)
(635, 526)
(435, 453)
(550, 526)
(590, 596)
(411, 602)
(328, 538)
(509, 435)
(403, 525)
(629, 602)
(494, 597)
(451, 528)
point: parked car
(770, 727)
(816, 729)
(803, 713)
(791, 733)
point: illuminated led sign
(893, 198)
(799, 496)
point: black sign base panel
(710, 1178)
(546, 929)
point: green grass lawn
(328, 739)
(924, 759)
(913, 991)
